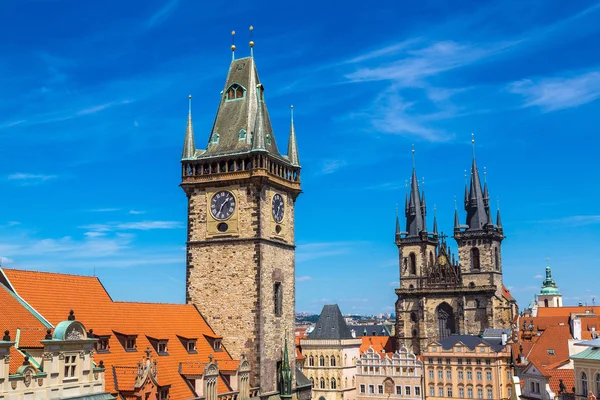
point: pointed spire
(251, 42)
(232, 45)
(398, 233)
(258, 142)
(498, 219)
(415, 222)
(189, 148)
(477, 218)
(286, 371)
(456, 221)
(435, 229)
(292, 145)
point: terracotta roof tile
(31, 337)
(53, 295)
(506, 293)
(567, 376)
(566, 311)
(381, 344)
(551, 346)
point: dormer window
(102, 344)
(127, 341)
(161, 348)
(191, 346)
(130, 344)
(215, 138)
(217, 345)
(235, 92)
(70, 366)
(242, 134)
(163, 394)
(268, 140)
(261, 92)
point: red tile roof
(566, 311)
(381, 344)
(53, 295)
(506, 293)
(554, 338)
(567, 376)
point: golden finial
(484, 174)
(190, 103)
(413, 155)
(251, 42)
(473, 144)
(232, 45)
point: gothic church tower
(240, 246)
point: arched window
(235, 92)
(597, 385)
(496, 259)
(332, 361)
(322, 383)
(333, 385)
(215, 138)
(413, 316)
(412, 264)
(545, 302)
(584, 386)
(431, 258)
(446, 321)
(242, 134)
(345, 382)
(321, 361)
(311, 361)
(475, 264)
(312, 381)
(268, 140)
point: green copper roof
(591, 353)
(549, 285)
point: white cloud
(25, 179)
(303, 278)
(133, 226)
(162, 14)
(577, 220)
(105, 210)
(330, 166)
(94, 234)
(136, 212)
(538, 277)
(556, 93)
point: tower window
(546, 303)
(242, 134)
(496, 259)
(70, 366)
(412, 264)
(235, 92)
(475, 263)
(215, 138)
(278, 299)
(268, 140)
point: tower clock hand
(222, 205)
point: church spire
(292, 153)
(259, 139)
(415, 223)
(498, 220)
(286, 372)
(435, 229)
(189, 148)
(398, 233)
(477, 217)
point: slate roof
(53, 295)
(331, 325)
(234, 115)
(470, 341)
(372, 330)
(301, 379)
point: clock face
(277, 207)
(222, 205)
(442, 260)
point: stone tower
(439, 296)
(549, 296)
(240, 245)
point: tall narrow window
(278, 299)
(333, 385)
(412, 263)
(311, 361)
(332, 361)
(584, 386)
(321, 361)
(322, 383)
(475, 264)
(431, 258)
(496, 259)
(597, 385)
(546, 303)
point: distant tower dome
(549, 285)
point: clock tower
(241, 194)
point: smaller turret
(189, 148)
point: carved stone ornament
(40, 382)
(28, 377)
(13, 385)
(61, 355)
(73, 334)
(47, 356)
(82, 354)
(96, 376)
(7, 359)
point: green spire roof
(549, 285)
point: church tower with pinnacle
(438, 294)
(241, 195)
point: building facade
(587, 368)
(389, 376)
(330, 354)
(440, 295)
(240, 247)
(468, 367)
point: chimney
(576, 328)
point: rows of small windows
(467, 361)
(284, 172)
(385, 370)
(461, 375)
(323, 361)
(465, 393)
(332, 383)
(400, 390)
(129, 344)
(584, 384)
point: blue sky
(93, 106)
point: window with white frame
(448, 374)
(399, 390)
(417, 390)
(461, 392)
(480, 393)
(431, 391)
(407, 390)
(70, 366)
(449, 391)
(440, 391)
(488, 375)
(380, 389)
(362, 388)
(371, 389)
(489, 393)
(470, 393)
(461, 375)
(430, 374)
